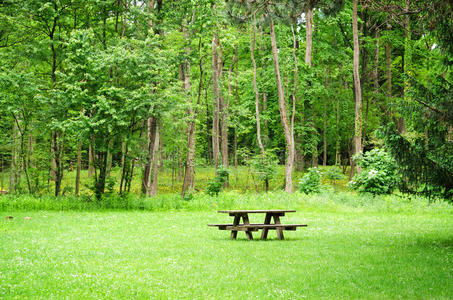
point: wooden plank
(234, 233)
(267, 220)
(262, 211)
(248, 232)
(243, 227)
(279, 229)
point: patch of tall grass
(328, 201)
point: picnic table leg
(267, 220)
(245, 218)
(234, 233)
(279, 230)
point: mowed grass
(174, 255)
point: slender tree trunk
(375, 69)
(450, 134)
(189, 175)
(358, 90)
(79, 167)
(223, 113)
(324, 132)
(308, 62)
(389, 73)
(309, 36)
(255, 88)
(216, 95)
(155, 164)
(90, 161)
(283, 114)
(236, 97)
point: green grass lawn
(351, 253)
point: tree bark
(255, 88)
(223, 112)
(358, 90)
(324, 132)
(389, 72)
(215, 90)
(283, 114)
(189, 175)
(153, 141)
(79, 167)
(309, 36)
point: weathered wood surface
(259, 211)
(248, 228)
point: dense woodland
(144, 86)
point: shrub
(378, 175)
(215, 185)
(334, 174)
(265, 167)
(310, 182)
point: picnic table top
(257, 211)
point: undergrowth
(325, 201)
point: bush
(334, 174)
(378, 175)
(310, 182)
(265, 167)
(215, 185)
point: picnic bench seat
(248, 227)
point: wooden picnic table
(248, 228)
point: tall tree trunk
(389, 73)
(324, 131)
(358, 90)
(309, 36)
(79, 167)
(308, 62)
(255, 88)
(153, 140)
(223, 112)
(215, 90)
(189, 175)
(236, 97)
(283, 115)
(375, 69)
(90, 161)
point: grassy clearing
(344, 253)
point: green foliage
(310, 182)
(215, 186)
(378, 175)
(264, 166)
(334, 174)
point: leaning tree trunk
(358, 90)
(283, 115)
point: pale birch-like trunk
(283, 114)
(358, 90)
(189, 175)
(215, 90)
(79, 167)
(255, 88)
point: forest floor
(345, 252)
(241, 179)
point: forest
(110, 92)
(131, 131)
